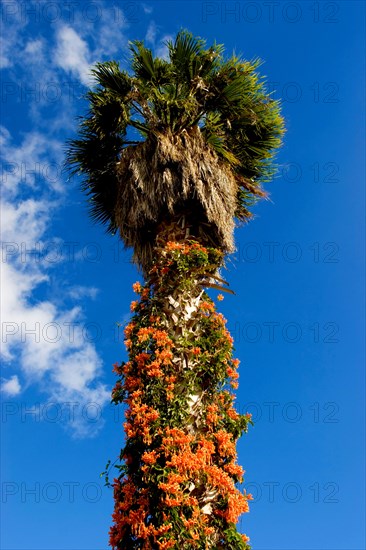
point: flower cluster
(178, 482)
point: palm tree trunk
(177, 485)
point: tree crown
(195, 86)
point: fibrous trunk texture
(178, 472)
(168, 174)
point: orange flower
(162, 529)
(126, 368)
(228, 336)
(188, 523)
(145, 294)
(234, 469)
(172, 484)
(132, 383)
(169, 501)
(232, 373)
(116, 368)
(220, 319)
(129, 429)
(207, 306)
(166, 544)
(232, 414)
(196, 351)
(171, 245)
(149, 458)
(144, 334)
(136, 394)
(161, 337)
(225, 443)
(128, 329)
(141, 359)
(134, 305)
(220, 297)
(154, 318)
(152, 415)
(154, 369)
(165, 356)
(137, 287)
(212, 416)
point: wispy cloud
(48, 345)
(72, 54)
(42, 339)
(147, 8)
(36, 160)
(151, 33)
(11, 386)
(159, 45)
(78, 292)
(11, 37)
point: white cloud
(35, 47)
(23, 224)
(42, 339)
(72, 54)
(78, 292)
(78, 47)
(11, 386)
(46, 72)
(110, 38)
(11, 39)
(151, 33)
(5, 60)
(147, 9)
(47, 344)
(159, 46)
(35, 161)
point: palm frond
(185, 47)
(109, 76)
(143, 63)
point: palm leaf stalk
(172, 155)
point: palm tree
(172, 155)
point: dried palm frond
(171, 174)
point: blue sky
(298, 273)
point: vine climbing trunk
(178, 475)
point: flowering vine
(178, 476)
